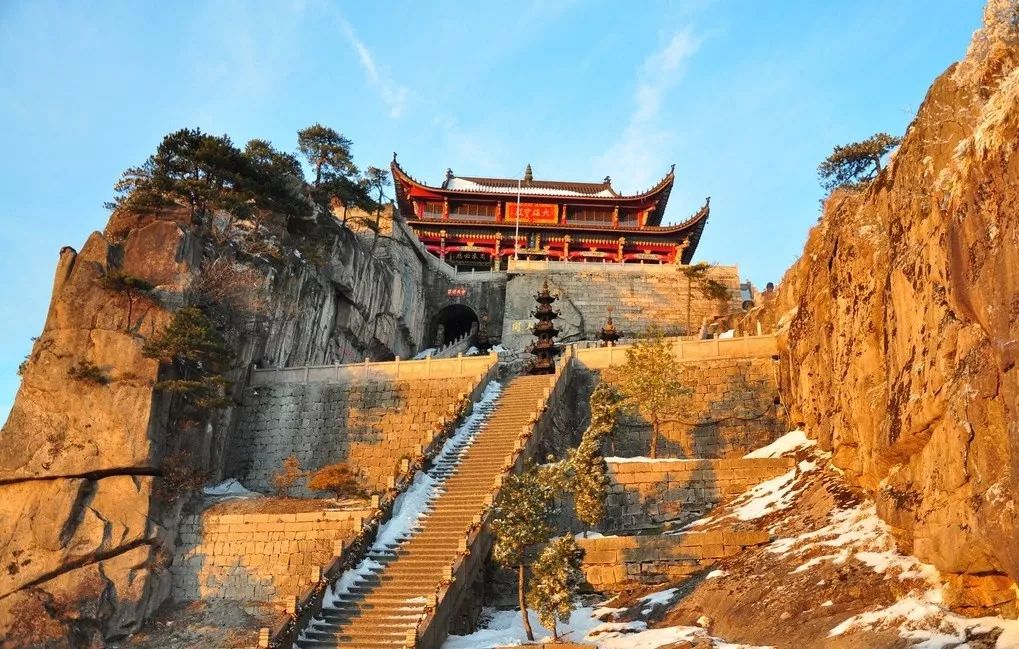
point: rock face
(85, 534)
(903, 322)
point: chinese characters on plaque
(533, 212)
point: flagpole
(516, 235)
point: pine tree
(197, 352)
(556, 578)
(856, 164)
(605, 406)
(133, 288)
(207, 172)
(522, 518)
(649, 383)
(327, 151)
(589, 481)
(697, 278)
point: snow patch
(639, 458)
(505, 629)
(767, 497)
(229, 488)
(660, 598)
(794, 440)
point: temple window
(627, 219)
(598, 215)
(433, 210)
(472, 211)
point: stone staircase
(382, 606)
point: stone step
(344, 607)
(379, 644)
(380, 607)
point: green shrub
(88, 372)
(195, 349)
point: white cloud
(639, 157)
(393, 94)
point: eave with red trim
(556, 196)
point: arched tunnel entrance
(452, 322)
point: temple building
(479, 223)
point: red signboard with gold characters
(533, 212)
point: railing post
(428, 366)
(365, 369)
(460, 369)
(396, 364)
(307, 372)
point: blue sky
(745, 97)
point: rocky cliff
(901, 324)
(88, 512)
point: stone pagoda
(609, 334)
(544, 347)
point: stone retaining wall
(641, 296)
(645, 494)
(615, 561)
(372, 426)
(731, 411)
(256, 557)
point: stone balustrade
(597, 358)
(426, 368)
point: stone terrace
(615, 561)
(372, 426)
(647, 493)
(733, 409)
(256, 556)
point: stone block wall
(641, 296)
(647, 494)
(615, 561)
(731, 411)
(256, 557)
(371, 426)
